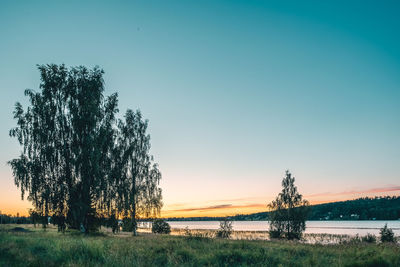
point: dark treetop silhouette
(288, 211)
(79, 162)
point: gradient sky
(236, 92)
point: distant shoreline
(218, 219)
(362, 209)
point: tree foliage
(136, 187)
(386, 234)
(79, 162)
(160, 227)
(377, 208)
(288, 211)
(225, 228)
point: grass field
(36, 247)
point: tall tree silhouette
(69, 136)
(288, 211)
(137, 178)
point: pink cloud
(216, 207)
(354, 192)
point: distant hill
(378, 208)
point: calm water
(315, 227)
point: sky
(236, 92)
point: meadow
(36, 247)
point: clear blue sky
(236, 91)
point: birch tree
(78, 161)
(288, 211)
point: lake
(312, 227)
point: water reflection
(313, 227)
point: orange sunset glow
(254, 205)
(11, 203)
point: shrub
(387, 234)
(275, 234)
(160, 227)
(293, 235)
(225, 228)
(113, 223)
(127, 225)
(188, 233)
(369, 238)
(278, 233)
(60, 222)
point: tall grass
(49, 248)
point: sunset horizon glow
(235, 207)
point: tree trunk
(134, 220)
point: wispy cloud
(242, 199)
(217, 207)
(177, 205)
(355, 192)
(224, 206)
(255, 204)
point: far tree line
(366, 208)
(376, 208)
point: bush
(225, 228)
(60, 222)
(188, 232)
(293, 235)
(387, 234)
(369, 238)
(113, 223)
(128, 225)
(160, 227)
(275, 234)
